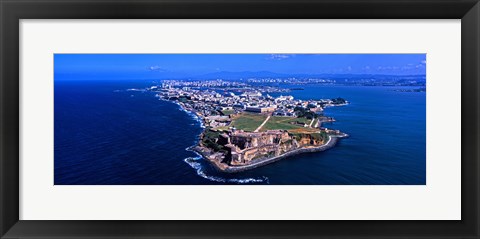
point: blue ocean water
(106, 134)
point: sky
(164, 66)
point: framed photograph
(240, 119)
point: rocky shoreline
(261, 162)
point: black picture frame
(12, 11)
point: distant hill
(227, 75)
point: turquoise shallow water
(108, 135)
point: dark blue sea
(111, 133)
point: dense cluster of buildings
(208, 102)
(292, 80)
(201, 83)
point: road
(259, 127)
(311, 122)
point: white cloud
(384, 68)
(407, 67)
(156, 68)
(387, 68)
(280, 56)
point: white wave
(193, 115)
(190, 113)
(132, 89)
(193, 162)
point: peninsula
(246, 128)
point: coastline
(198, 118)
(261, 162)
(333, 139)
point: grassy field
(279, 122)
(303, 130)
(221, 128)
(304, 120)
(228, 112)
(314, 122)
(248, 121)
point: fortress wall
(254, 164)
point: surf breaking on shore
(195, 162)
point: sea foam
(193, 115)
(194, 162)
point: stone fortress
(243, 147)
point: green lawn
(304, 120)
(280, 122)
(314, 122)
(248, 121)
(228, 112)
